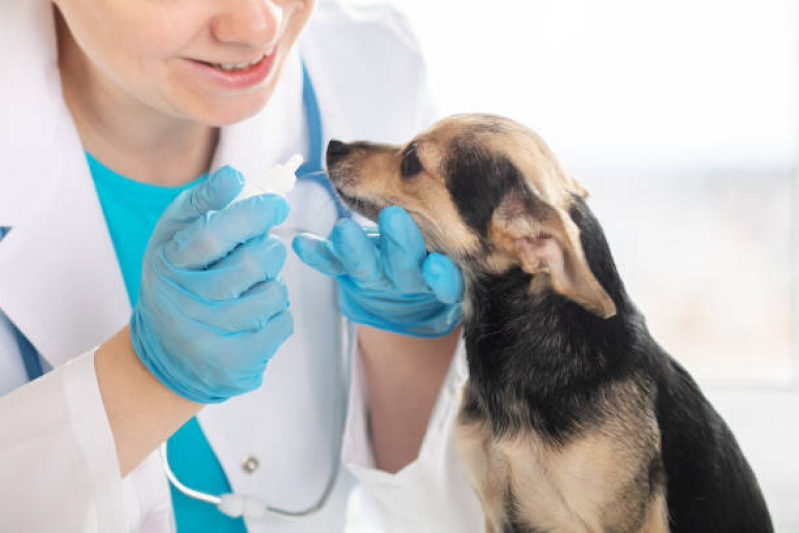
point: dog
(573, 418)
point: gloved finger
(216, 192)
(255, 308)
(402, 248)
(268, 339)
(261, 344)
(357, 253)
(444, 278)
(317, 253)
(256, 260)
(251, 311)
(214, 235)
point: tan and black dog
(573, 418)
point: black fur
(478, 181)
(551, 355)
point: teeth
(236, 66)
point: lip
(240, 79)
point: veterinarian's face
(156, 51)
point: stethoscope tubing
(248, 506)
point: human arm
(406, 303)
(210, 314)
(403, 376)
(63, 463)
(142, 412)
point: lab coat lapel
(59, 279)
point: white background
(680, 117)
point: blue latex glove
(211, 310)
(388, 280)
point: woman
(133, 126)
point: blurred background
(680, 118)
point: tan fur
(589, 484)
(525, 148)
(487, 473)
(657, 520)
(427, 200)
(551, 246)
(374, 174)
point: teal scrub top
(131, 210)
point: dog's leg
(486, 472)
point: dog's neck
(541, 350)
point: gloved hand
(211, 310)
(388, 280)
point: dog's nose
(336, 150)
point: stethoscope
(237, 505)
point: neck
(542, 351)
(125, 134)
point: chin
(233, 111)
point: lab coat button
(249, 464)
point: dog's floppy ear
(544, 239)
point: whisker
(314, 173)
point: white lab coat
(60, 284)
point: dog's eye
(410, 165)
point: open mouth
(236, 67)
(237, 75)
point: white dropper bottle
(279, 179)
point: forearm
(141, 411)
(404, 375)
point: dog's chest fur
(602, 479)
(557, 425)
(574, 423)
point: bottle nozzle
(279, 179)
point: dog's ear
(576, 187)
(545, 240)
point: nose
(336, 150)
(253, 23)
